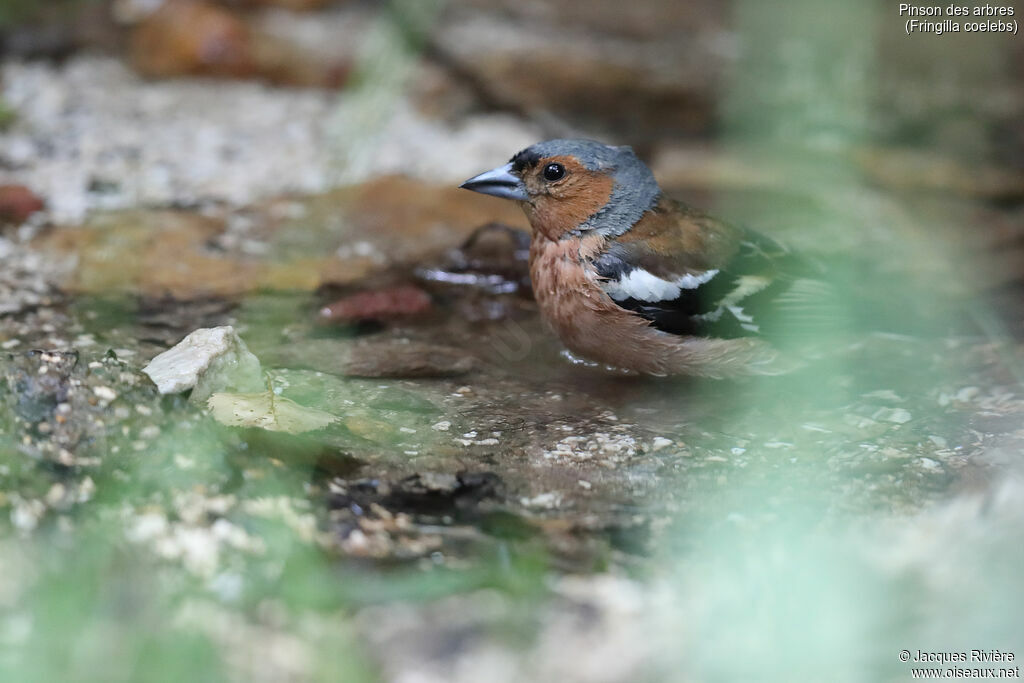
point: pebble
(150, 432)
(618, 446)
(893, 415)
(659, 443)
(17, 203)
(548, 500)
(383, 304)
(104, 393)
(967, 394)
(25, 514)
(884, 395)
(56, 494)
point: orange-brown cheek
(569, 205)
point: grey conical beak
(500, 182)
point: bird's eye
(553, 172)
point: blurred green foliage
(13, 12)
(7, 116)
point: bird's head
(574, 187)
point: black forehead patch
(524, 160)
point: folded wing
(690, 274)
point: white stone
(146, 527)
(548, 500)
(104, 393)
(659, 443)
(207, 361)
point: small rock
(56, 495)
(493, 258)
(104, 393)
(379, 305)
(207, 361)
(549, 500)
(432, 481)
(659, 443)
(895, 415)
(149, 432)
(884, 395)
(39, 382)
(17, 203)
(967, 394)
(25, 514)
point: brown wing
(689, 273)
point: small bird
(631, 279)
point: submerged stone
(382, 304)
(267, 411)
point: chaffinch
(632, 279)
